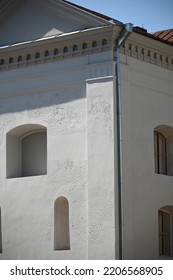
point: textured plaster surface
(147, 100)
(57, 100)
(101, 212)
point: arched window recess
(163, 150)
(26, 151)
(160, 153)
(165, 220)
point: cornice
(149, 50)
(56, 48)
(85, 42)
(151, 42)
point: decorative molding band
(49, 54)
(148, 55)
(82, 43)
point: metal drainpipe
(127, 29)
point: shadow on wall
(37, 101)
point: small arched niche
(26, 151)
(61, 224)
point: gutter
(127, 29)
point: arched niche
(26, 151)
(61, 224)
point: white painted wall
(56, 96)
(101, 188)
(147, 100)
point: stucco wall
(147, 100)
(101, 181)
(55, 96)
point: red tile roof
(166, 35)
(168, 39)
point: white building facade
(78, 180)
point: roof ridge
(92, 12)
(170, 29)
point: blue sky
(154, 15)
